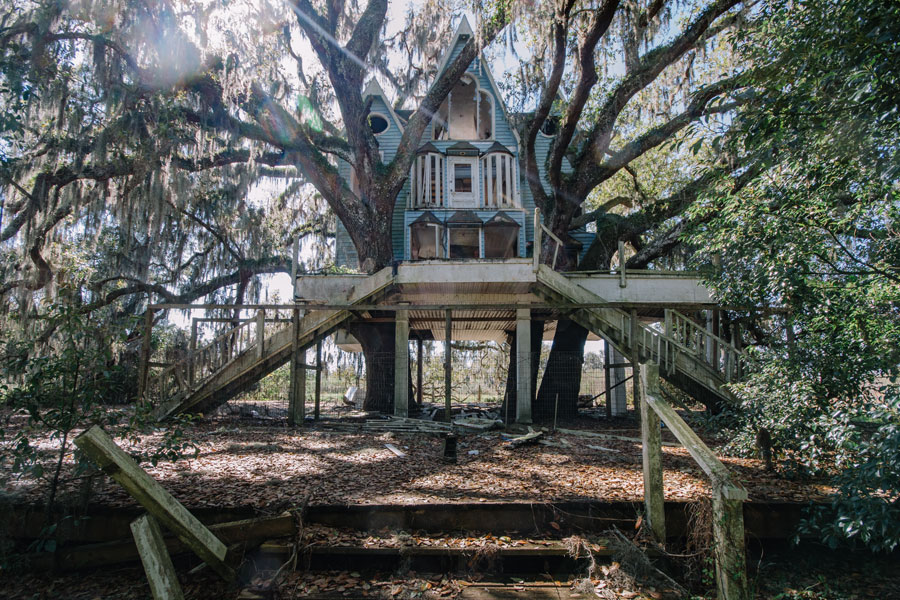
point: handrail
(539, 229)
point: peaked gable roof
(373, 88)
(464, 31)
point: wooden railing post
(260, 333)
(651, 443)
(727, 498)
(318, 380)
(297, 393)
(146, 350)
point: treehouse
(465, 198)
(469, 265)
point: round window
(378, 124)
(550, 126)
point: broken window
(378, 123)
(501, 237)
(499, 168)
(464, 231)
(428, 178)
(426, 238)
(466, 114)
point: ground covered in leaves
(808, 573)
(271, 467)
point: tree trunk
(377, 341)
(562, 378)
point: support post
(606, 379)
(651, 451)
(318, 379)
(260, 333)
(401, 363)
(622, 281)
(523, 365)
(146, 349)
(295, 259)
(191, 368)
(635, 366)
(114, 461)
(538, 242)
(419, 377)
(728, 540)
(155, 557)
(448, 322)
(297, 393)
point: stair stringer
(680, 368)
(248, 368)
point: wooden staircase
(690, 357)
(241, 356)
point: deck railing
(202, 363)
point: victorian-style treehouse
(467, 239)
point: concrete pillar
(401, 363)
(523, 365)
(651, 451)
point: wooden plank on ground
(114, 461)
(156, 560)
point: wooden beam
(156, 560)
(297, 391)
(419, 371)
(401, 363)
(448, 326)
(729, 545)
(523, 366)
(318, 379)
(727, 498)
(651, 452)
(146, 350)
(114, 461)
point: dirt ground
(271, 468)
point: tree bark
(377, 341)
(561, 383)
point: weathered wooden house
(467, 240)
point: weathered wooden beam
(297, 391)
(318, 380)
(114, 461)
(401, 363)
(729, 544)
(523, 366)
(146, 350)
(448, 352)
(651, 452)
(727, 498)
(156, 560)
(699, 451)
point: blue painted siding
(345, 253)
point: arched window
(501, 237)
(428, 178)
(466, 114)
(499, 170)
